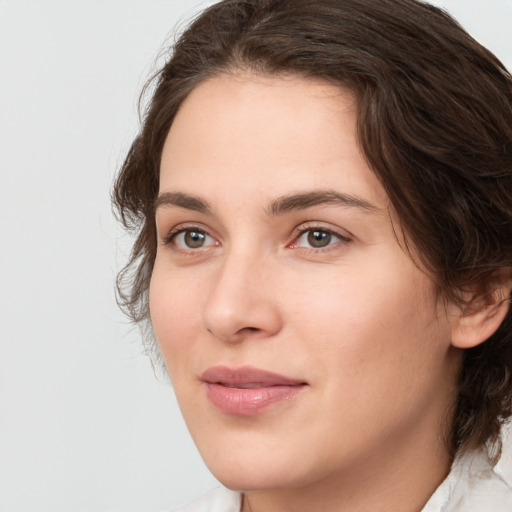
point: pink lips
(246, 391)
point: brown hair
(434, 122)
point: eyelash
(311, 228)
(170, 239)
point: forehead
(267, 134)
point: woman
(322, 192)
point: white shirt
(473, 485)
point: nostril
(232, 319)
(251, 329)
(248, 330)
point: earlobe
(480, 319)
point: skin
(356, 319)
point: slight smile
(246, 391)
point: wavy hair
(434, 123)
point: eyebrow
(182, 201)
(303, 200)
(279, 206)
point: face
(301, 341)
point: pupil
(319, 238)
(194, 239)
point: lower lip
(248, 401)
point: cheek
(374, 325)
(175, 315)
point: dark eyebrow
(182, 201)
(305, 200)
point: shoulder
(475, 485)
(217, 500)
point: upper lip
(246, 376)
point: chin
(254, 478)
(257, 471)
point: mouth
(246, 391)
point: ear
(483, 313)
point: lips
(246, 391)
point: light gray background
(84, 423)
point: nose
(243, 302)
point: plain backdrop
(84, 423)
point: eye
(190, 238)
(317, 238)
